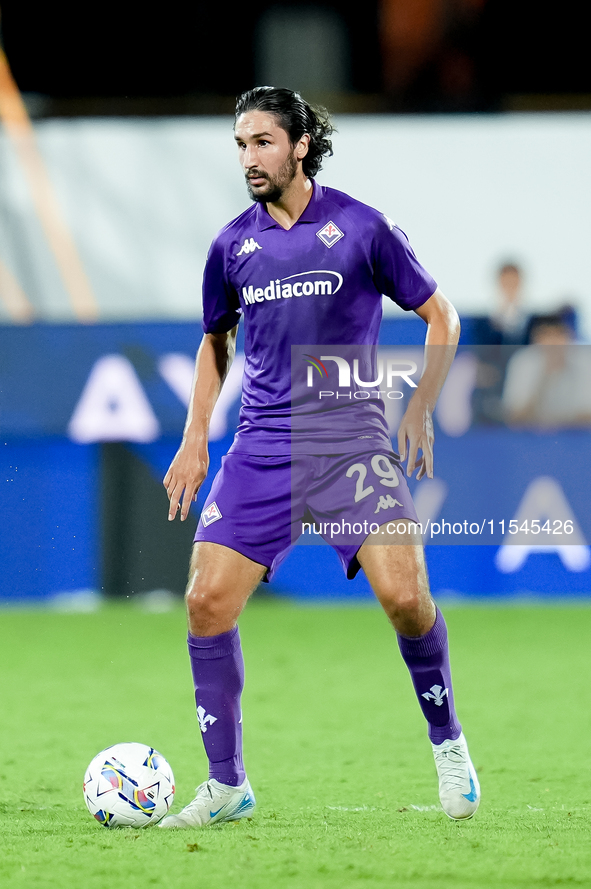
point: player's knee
(205, 602)
(404, 605)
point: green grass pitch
(336, 750)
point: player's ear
(302, 146)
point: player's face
(269, 160)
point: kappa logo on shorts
(330, 234)
(211, 514)
(385, 502)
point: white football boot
(459, 790)
(214, 802)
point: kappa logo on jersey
(205, 719)
(292, 285)
(330, 234)
(249, 246)
(385, 501)
(436, 694)
(211, 514)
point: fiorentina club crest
(436, 694)
(211, 514)
(330, 234)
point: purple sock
(427, 658)
(218, 677)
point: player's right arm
(189, 467)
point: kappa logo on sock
(205, 719)
(436, 694)
(211, 514)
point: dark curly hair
(296, 117)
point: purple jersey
(319, 282)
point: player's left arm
(416, 427)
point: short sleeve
(221, 305)
(397, 272)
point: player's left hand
(415, 434)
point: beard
(276, 185)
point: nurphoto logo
(350, 373)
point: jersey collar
(311, 214)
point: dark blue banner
(506, 514)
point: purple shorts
(260, 506)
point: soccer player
(306, 265)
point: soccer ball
(128, 785)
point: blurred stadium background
(467, 121)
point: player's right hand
(185, 476)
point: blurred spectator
(497, 337)
(548, 383)
(569, 316)
(507, 325)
